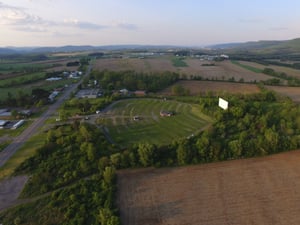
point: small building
(124, 91)
(140, 93)
(3, 123)
(53, 95)
(166, 113)
(18, 124)
(53, 79)
(89, 93)
(25, 113)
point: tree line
(134, 81)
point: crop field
(149, 126)
(202, 87)
(14, 78)
(249, 191)
(192, 68)
(292, 92)
(287, 70)
(28, 78)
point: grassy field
(250, 191)
(248, 67)
(28, 78)
(178, 62)
(20, 67)
(151, 127)
(23, 153)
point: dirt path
(10, 190)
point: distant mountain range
(288, 46)
(267, 47)
(80, 48)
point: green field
(17, 67)
(247, 67)
(24, 79)
(178, 62)
(151, 127)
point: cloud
(83, 24)
(127, 26)
(19, 19)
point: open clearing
(250, 191)
(149, 126)
(221, 71)
(202, 87)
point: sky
(146, 22)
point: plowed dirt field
(250, 191)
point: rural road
(11, 149)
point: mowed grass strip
(151, 127)
(247, 67)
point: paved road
(10, 150)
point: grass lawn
(22, 154)
(151, 127)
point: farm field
(221, 71)
(291, 92)
(202, 87)
(14, 78)
(249, 191)
(287, 70)
(150, 126)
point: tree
(178, 90)
(116, 160)
(109, 174)
(146, 154)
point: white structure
(223, 104)
(18, 124)
(53, 79)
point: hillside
(261, 47)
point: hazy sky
(154, 22)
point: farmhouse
(166, 113)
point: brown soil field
(200, 87)
(139, 65)
(291, 92)
(288, 71)
(221, 70)
(254, 191)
